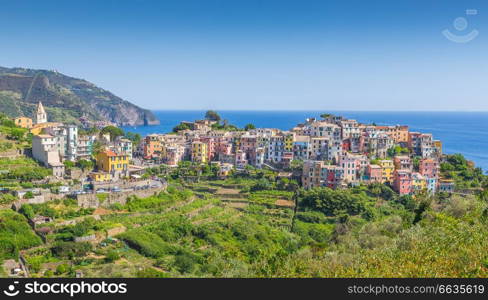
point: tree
(29, 195)
(249, 127)
(70, 249)
(296, 165)
(61, 269)
(16, 133)
(8, 123)
(483, 195)
(135, 138)
(181, 127)
(397, 150)
(212, 116)
(85, 164)
(68, 164)
(27, 211)
(97, 147)
(88, 131)
(334, 202)
(416, 163)
(113, 131)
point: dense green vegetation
(12, 136)
(247, 226)
(23, 169)
(362, 231)
(397, 150)
(15, 234)
(113, 131)
(464, 173)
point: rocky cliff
(65, 98)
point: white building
(41, 116)
(45, 150)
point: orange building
(23, 122)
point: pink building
(402, 182)
(241, 159)
(354, 166)
(174, 155)
(375, 173)
(429, 167)
(403, 162)
(223, 148)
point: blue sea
(460, 132)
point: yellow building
(23, 122)
(288, 142)
(418, 182)
(199, 152)
(100, 176)
(109, 161)
(387, 168)
(438, 147)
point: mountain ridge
(65, 98)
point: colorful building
(320, 174)
(100, 176)
(401, 135)
(199, 152)
(374, 173)
(112, 162)
(387, 168)
(446, 185)
(403, 162)
(418, 182)
(431, 184)
(402, 182)
(289, 138)
(350, 165)
(152, 146)
(23, 122)
(429, 167)
(438, 148)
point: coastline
(461, 132)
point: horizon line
(311, 110)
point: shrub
(70, 249)
(334, 202)
(61, 269)
(147, 243)
(112, 256)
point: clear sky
(270, 55)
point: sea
(460, 132)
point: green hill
(65, 98)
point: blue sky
(270, 55)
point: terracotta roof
(110, 153)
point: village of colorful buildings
(336, 152)
(53, 143)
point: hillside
(65, 98)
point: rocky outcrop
(65, 98)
